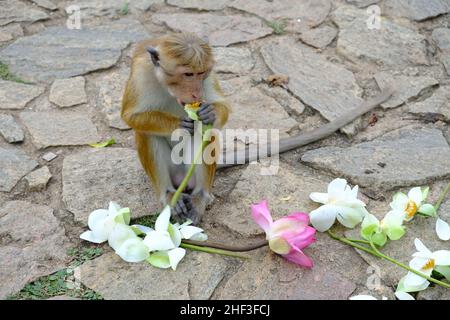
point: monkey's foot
(185, 209)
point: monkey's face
(186, 84)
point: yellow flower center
(411, 208)
(429, 265)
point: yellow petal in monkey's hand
(191, 109)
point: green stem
(212, 250)
(442, 197)
(189, 174)
(358, 241)
(349, 242)
(445, 285)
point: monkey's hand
(184, 209)
(206, 114)
(187, 124)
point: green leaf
(379, 238)
(395, 232)
(103, 144)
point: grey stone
(49, 156)
(287, 191)
(5, 36)
(68, 92)
(327, 87)
(309, 13)
(14, 29)
(407, 88)
(9, 129)
(247, 101)
(233, 60)
(434, 293)
(206, 5)
(319, 37)
(46, 4)
(442, 38)
(14, 164)
(393, 45)
(196, 277)
(50, 129)
(362, 3)
(93, 178)
(411, 157)
(438, 105)
(110, 92)
(32, 244)
(221, 30)
(286, 100)
(38, 179)
(15, 95)
(41, 57)
(282, 280)
(418, 10)
(113, 8)
(16, 11)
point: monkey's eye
(189, 74)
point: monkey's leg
(155, 156)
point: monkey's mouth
(181, 103)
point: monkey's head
(182, 61)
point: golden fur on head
(188, 49)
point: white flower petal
(323, 218)
(399, 201)
(415, 194)
(199, 237)
(175, 235)
(90, 236)
(159, 259)
(444, 270)
(350, 217)
(157, 240)
(133, 250)
(414, 280)
(442, 257)
(319, 197)
(403, 296)
(113, 208)
(421, 247)
(162, 222)
(143, 229)
(336, 187)
(188, 232)
(402, 287)
(119, 235)
(362, 297)
(175, 256)
(442, 229)
(96, 217)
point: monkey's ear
(154, 54)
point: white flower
(340, 202)
(101, 222)
(442, 229)
(413, 203)
(133, 250)
(166, 239)
(403, 295)
(425, 262)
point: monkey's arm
(154, 122)
(316, 134)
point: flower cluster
(160, 246)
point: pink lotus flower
(287, 236)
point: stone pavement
(66, 93)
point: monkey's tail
(246, 155)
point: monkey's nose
(196, 97)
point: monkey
(167, 73)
